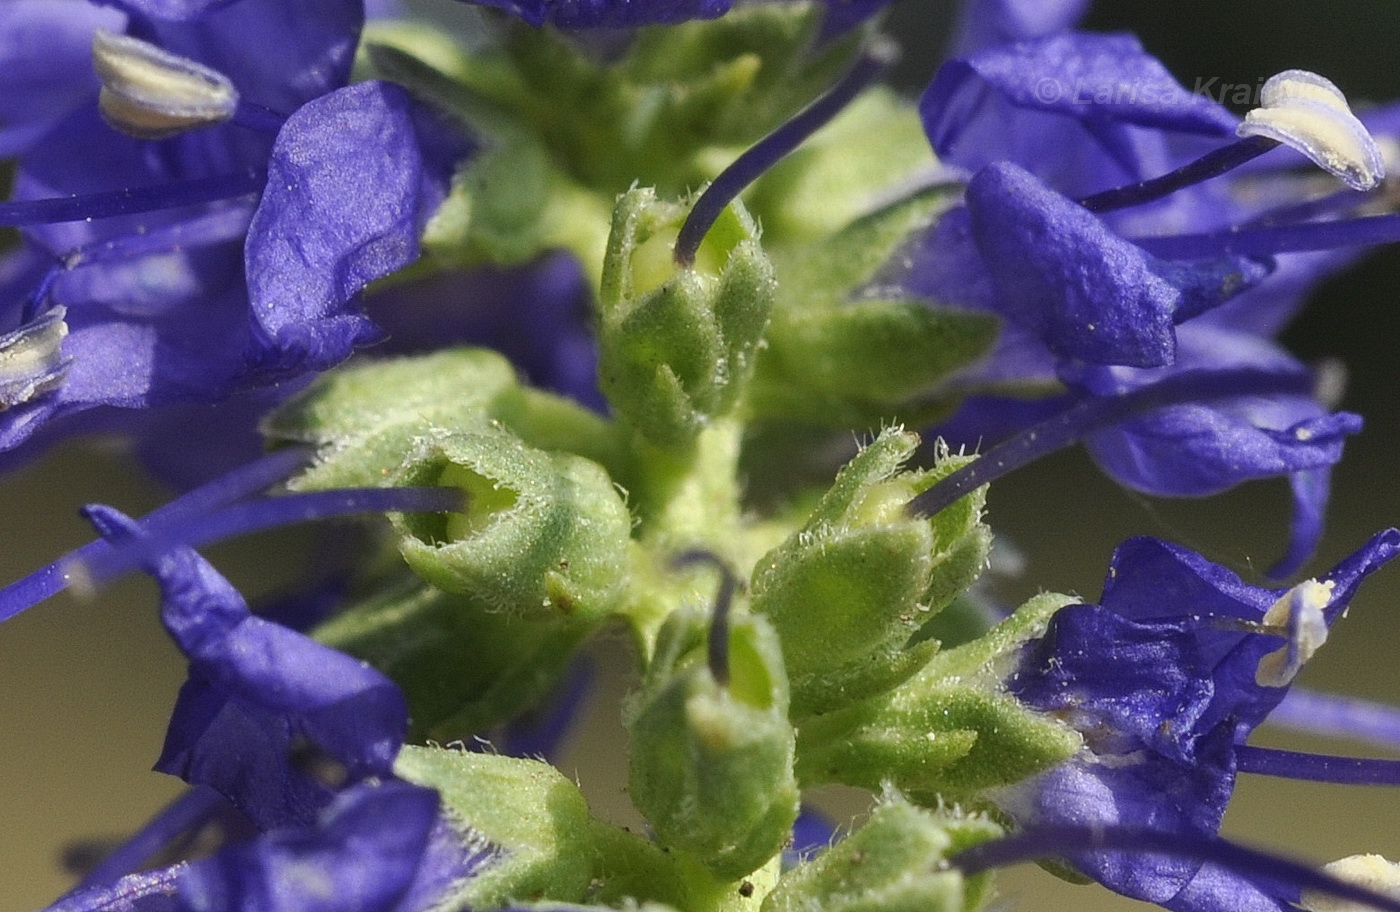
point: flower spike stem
(718, 656)
(1266, 761)
(1338, 717)
(1213, 164)
(131, 200)
(878, 56)
(256, 515)
(249, 479)
(1074, 423)
(185, 814)
(1057, 841)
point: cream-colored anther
(150, 93)
(1306, 112)
(1298, 615)
(31, 359)
(1372, 872)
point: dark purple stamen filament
(1088, 415)
(877, 57)
(1338, 717)
(266, 513)
(1266, 761)
(718, 655)
(1213, 164)
(258, 117)
(1058, 841)
(1270, 239)
(131, 200)
(1337, 203)
(249, 479)
(185, 814)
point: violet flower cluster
(579, 312)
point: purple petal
(257, 690)
(537, 315)
(349, 189)
(986, 23)
(1099, 101)
(362, 856)
(1088, 293)
(610, 13)
(1163, 689)
(175, 10)
(45, 65)
(277, 54)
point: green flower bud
(711, 765)
(542, 533)
(848, 590)
(677, 344)
(947, 732)
(893, 863)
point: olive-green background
(86, 686)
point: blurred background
(86, 685)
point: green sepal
(538, 821)
(364, 418)
(550, 847)
(867, 360)
(893, 863)
(677, 344)
(848, 589)
(463, 669)
(542, 533)
(837, 355)
(948, 732)
(712, 764)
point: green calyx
(947, 732)
(712, 762)
(848, 590)
(542, 533)
(892, 863)
(677, 343)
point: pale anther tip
(150, 93)
(1307, 112)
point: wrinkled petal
(362, 856)
(1163, 687)
(1198, 449)
(1088, 293)
(1099, 101)
(349, 190)
(256, 691)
